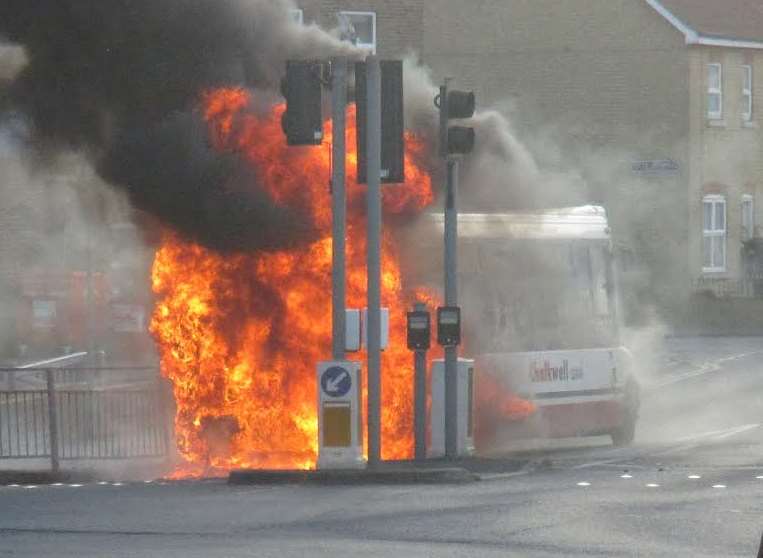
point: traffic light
(392, 125)
(455, 140)
(302, 122)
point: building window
(746, 93)
(748, 217)
(714, 91)
(714, 233)
(297, 16)
(359, 28)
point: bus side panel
(576, 393)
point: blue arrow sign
(336, 381)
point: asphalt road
(692, 485)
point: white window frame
(297, 15)
(711, 91)
(747, 92)
(714, 232)
(747, 217)
(369, 46)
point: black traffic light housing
(419, 329)
(460, 139)
(461, 104)
(449, 326)
(392, 123)
(455, 140)
(301, 87)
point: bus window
(531, 295)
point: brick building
(654, 102)
(390, 27)
(73, 273)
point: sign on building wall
(43, 314)
(656, 168)
(128, 318)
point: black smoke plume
(120, 81)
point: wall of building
(726, 153)
(592, 86)
(398, 22)
(56, 224)
(602, 61)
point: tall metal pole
(451, 299)
(420, 398)
(338, 200)
(373, 152)
(450, 270)
(52, 419)
(91, 342)
(90, 302)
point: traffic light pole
(450, 268)
(338, 200)
(373, 144)
(455, 140)
(451, 299)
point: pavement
(396, 474)
(691, 485)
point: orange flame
(497, 406)
(240, 335)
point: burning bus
(539, 297)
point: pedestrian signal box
(419, 330)
(449, 326)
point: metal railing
(749, 286)
(84, 413)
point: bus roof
(588, 222)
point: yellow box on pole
(337, 425)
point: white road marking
(486, 476)
(719, 486)
(700, 435)
(584, 484)
(739, 430)
(712, 436)
(621, 454)
(685, 443)
(695, 476)
(653, 485)
(705, 368)
(626, 476)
